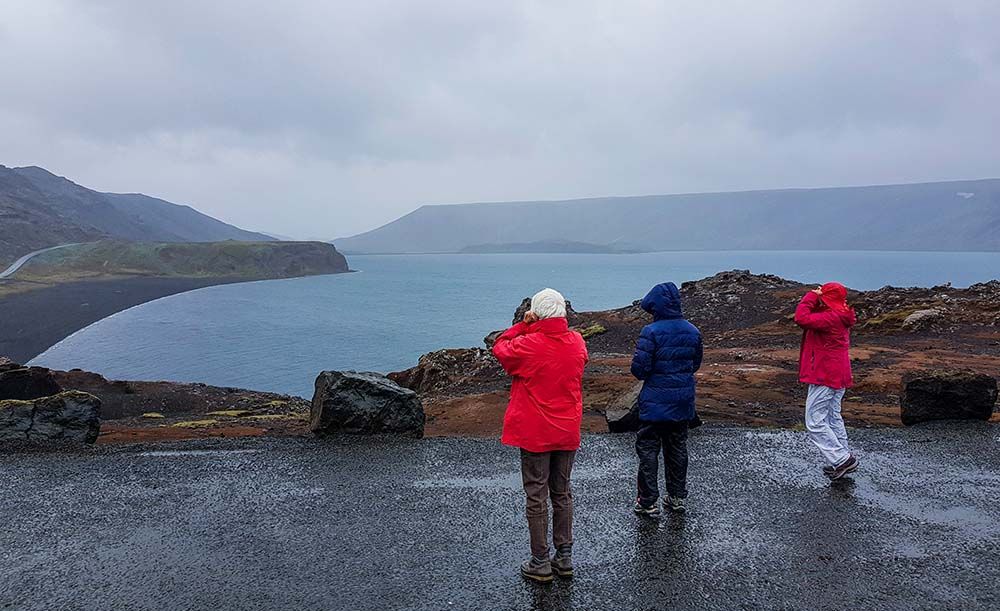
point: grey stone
(69, 416)
(623, 414)
(364, 403)
(947, 395)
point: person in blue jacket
(667, 355)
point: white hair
(548, 303)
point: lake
(277, 335)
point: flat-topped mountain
(955, 216)
(39, 209)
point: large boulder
(70, 416)
(623, 414)
(947, 395)
(364, 403)
(26, 383)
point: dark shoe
(850, 465)
(537, 570)
(653, 511)
(828, 470)
(675, 504)
(562, 562)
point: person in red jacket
(546, 360)
(825, 365)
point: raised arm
(807, 317)
(514, 350)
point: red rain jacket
(826, 339)
(546, 361)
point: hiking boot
(828, 470)
(653, 511)
(562, 562)
(537, 570)
(675, 504)
(850, 465)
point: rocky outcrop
(26, 383)
(623, 414)
(69, 416)
(922, 319)
(460, 370)
(947, 395)
(364, 403)
(738, 299)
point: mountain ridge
(961, 215)
(39, 209)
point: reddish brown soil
(115, 433)
(750, 370)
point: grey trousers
(546, 476)
(825, 424)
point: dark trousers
(671, 437)
(546, 476)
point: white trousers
(825, 424)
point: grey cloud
(325, 118)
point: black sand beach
(32, 321)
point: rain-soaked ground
(437, 524)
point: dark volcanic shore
(749, 376)
(31, 321)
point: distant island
(937, 216)
(550, 246)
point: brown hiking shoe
(850, 465)
(537, 570)
(562, 562)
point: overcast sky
(323, 119)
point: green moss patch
(195, 424)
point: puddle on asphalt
(173, 453)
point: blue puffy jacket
(667, 354)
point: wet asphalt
(356, 523)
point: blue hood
(663, 301)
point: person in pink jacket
(825, 365)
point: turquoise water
(277, 335)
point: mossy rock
(592, 331)
(195, 424)
(277, 417)
(230, 413)
(273, 405)
(894, 318)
